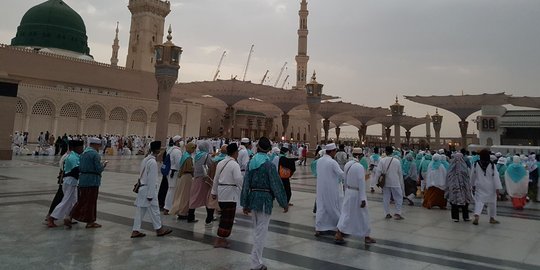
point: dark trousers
(57, 199)
(209, 215)
(464, 210)
(287, 186)
(163, 187)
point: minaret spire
(115, 48)
(302, 58)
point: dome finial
(169, 37)
(314, 76)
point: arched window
(43, 107)
(175, 118)
(20, 107)
(138, 116)
(153, 119)
(70, 110)
(95, 112)
(118, 114)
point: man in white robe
(175, 154)
(243, 155)
(394, 186)
(328, 192)
(486, 185)
(147, 196)
(354, 219)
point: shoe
(369, 240)
(494, 221)
(388, 216)
(179, 217)
(339, 241)
(209, 224)
(398, 217)
(137, 234)
(475, 222)
(456, 220)
(372, 190)
(193, 221)
(163, 232)
(466, 220)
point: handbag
(381, 181)
(137, 185)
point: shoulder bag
(138, 184)
(382, 179)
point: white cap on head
(321, 153)
(330, 147)
(244, 140)
(276, 150)
(441, 151)
(176, 138)
(502, 160)
(498, 154)
(94, 140)
(357, 150)
(493, 158)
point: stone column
(363, 132)
(249, 122)
(268, 125)
(463, 125)
(26, 122)
(126, 130)
(428, 130)
(8, 99)
(388, 132)
(360, 136)
(147, 128)
(227, 121)
(165, 85)
(397, 135)
(326, 127)
(81, 124)
(338, 131)
(55, 124)
(105, 124)
(285, 124)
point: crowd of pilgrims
(228, 176)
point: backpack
(166, 166)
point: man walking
(261, 185)
(390, 167)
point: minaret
(115, 47)
(147, 28)
(302, 58)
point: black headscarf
(485, 160)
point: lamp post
(314, 94)
(397, 112)
(167, 65)
(436, 119)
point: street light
(167, 66)
(314, 95)
(397, 112)
(436, 119)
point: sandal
(369, 240)
(93, 226)
(137, 234)
(163, 232)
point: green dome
(52, 24)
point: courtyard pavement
(425, 239)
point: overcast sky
(366, 51)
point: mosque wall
(61, 110)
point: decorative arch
(175, 118)
(43, 107)
(153, 119)
(118, 113)
(139, 115)
(71, 109)
(20, 106)
(95, 112)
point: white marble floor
(426, 239)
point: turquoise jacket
(91, 168)
(261, 186)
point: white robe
(354, 220)
(519, 189)
(149, 178)
(436, 177)
(486, 184)
(328, 194)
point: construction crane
(247, 64)
(264, 77)
(284, 81)
(219, 65)
(280, 73)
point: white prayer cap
(498, 154)
(493, 158)
(502, 160)
(523, 157)
(244, 140)
(357, 150)
(330, 147)
(176, 138)
(441, 151)
(275, 150)
(321, 153)
(94, 140)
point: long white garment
(519, 189)
(148, 190)
(436, 177)
(354, 220)
(228, 181)
(486, 183)
(175, 154)
(68, 201)
(328, 194)
(260, 230)
(391, 166)
(243, 159)
(397, 193)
